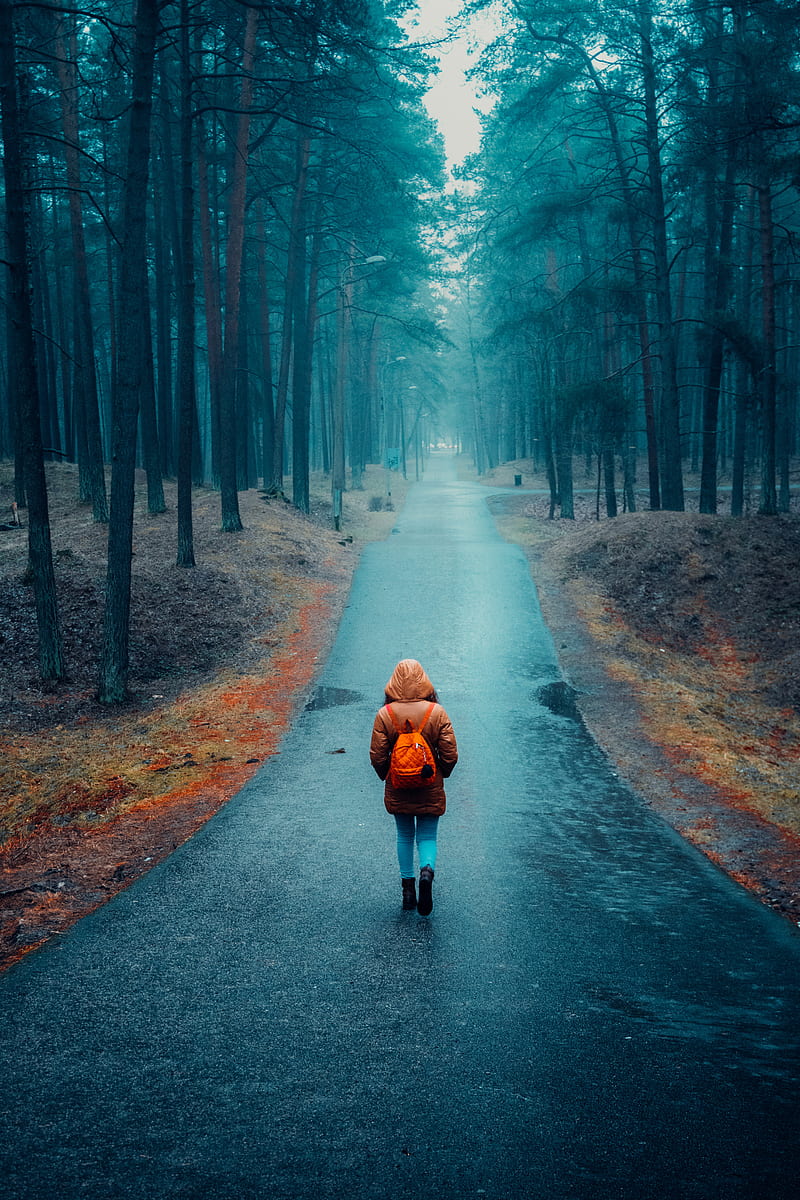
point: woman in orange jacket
(415, 803)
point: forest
(234, 257)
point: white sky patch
(453, 100)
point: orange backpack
(412, 764)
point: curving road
(593, 1010)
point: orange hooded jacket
(410, 692)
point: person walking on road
(416, 801)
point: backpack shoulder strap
(422, 723)
(395, 721)
(426, 718)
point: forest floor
(222, 656)
(678, 632)
(679, 635)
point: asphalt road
(592, 1011)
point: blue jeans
(424, 828)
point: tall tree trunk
(62, 340)
(186, 311)
(211, 298)
(40, 555)
(229, 495)
(609, 477)
(166, 248)
(110, 283)
(339, 398)
(91, 462)
(296, 224)
(722, 271)
(301, 390)
(265, 336)
(785, 424)
(114, 665)
(305, 323)
(163, 262)
(563, 456)
(326, 378)
(45, 342)
(744, 399)
(769, 498)
(672, 471)
(245, 458)
(708, 473)
(549, 456)
(151, 455)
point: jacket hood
(409, 682)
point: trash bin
(517, 481)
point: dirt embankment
(221, 657)
(681, 634)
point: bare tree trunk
(305, 321)
(91, 462)
(769, 498)
(743, 414)
(211, 298)
(186, 313)
(151, 455)
(298, 202)
(229, 495)
(784, 432)
(45, 341)
(708, 473)
(267, 404)
(165, 267)
(550, 462)
(166, 247)
(110, 276)
(40, 556)
(721, 294)
(339, 397)
(563, 456)
(114, 665)
(62, 341)
(672, 471)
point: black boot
(425, 904)
(409, 895)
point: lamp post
(384, 430)
(412, 387)
(337, 456)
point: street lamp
(412, 387)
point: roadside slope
(679, 633)
(221, 658)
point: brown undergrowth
(221, 656)
(680, 633)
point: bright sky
(451, 100)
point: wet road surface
(592, 1011)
